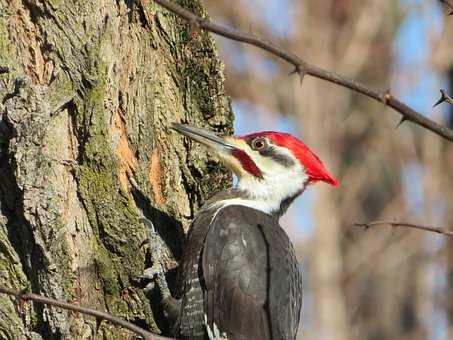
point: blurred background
(380, 283)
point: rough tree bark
(85, 150)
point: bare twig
(438, 230)
(24, 295)
(302, 67)
(445, 98)
(449, 5)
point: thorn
(300, 70)
(440, 101)
(401, 122)
(4, 69)
(301, 76)
(443, 97)
(451, 13)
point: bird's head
(272, 168)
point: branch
(301, 67)
(449, 5)
(438, 230)
(445, 98)
(23, 295)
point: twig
(445, 98)
(449, 5)
(438, 230)
(23, 295)
(302, 67)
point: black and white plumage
(243, 276)
(239, 273)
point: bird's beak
(229, 149)
(205, 137)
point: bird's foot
(156, 273)
(149, 275)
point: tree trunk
(86, 149)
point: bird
(239, 276)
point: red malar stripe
(247, 163)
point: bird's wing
(253, 283)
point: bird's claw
(151, 272)
(155, 274)
(149, 275)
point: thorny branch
(449, 5)
(445, 98)
(438, 230)
(302, 68)
(24, 295)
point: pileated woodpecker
(239, 274)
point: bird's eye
(259, 144)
